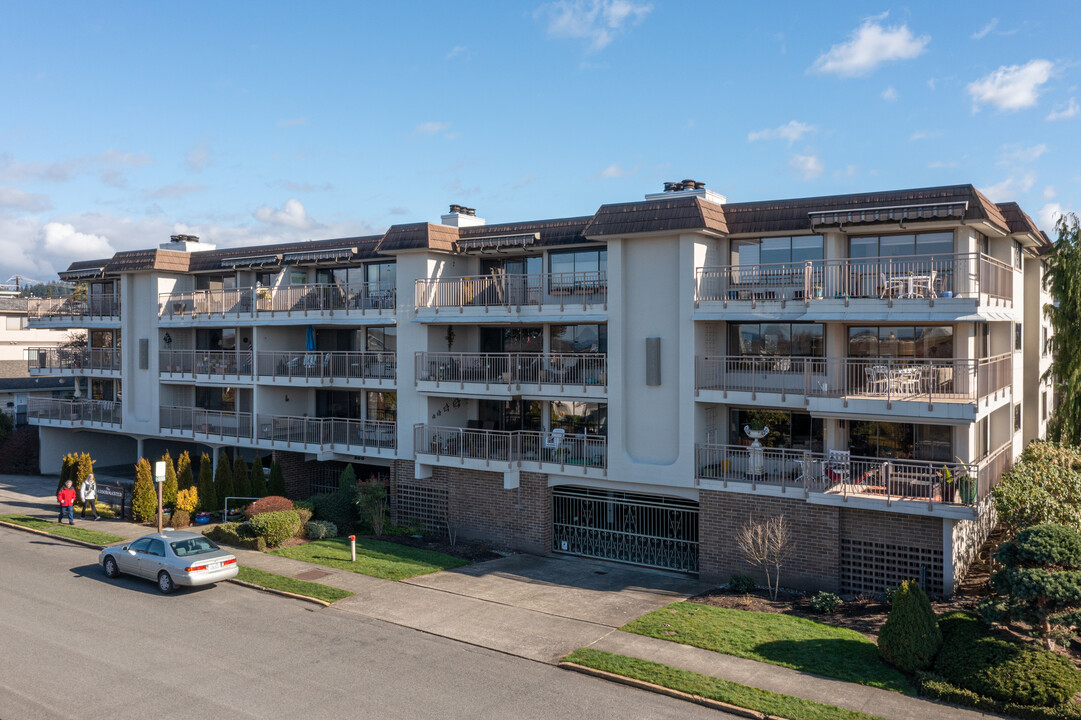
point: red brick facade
(297, 473)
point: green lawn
(291, 585)
(763, 701)
(69, 531)
(786, 640)
(374, 557)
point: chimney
(461, 216)
(688, 188)
(186, 243)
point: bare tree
(766, 545)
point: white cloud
(1064, 113)
(15, 197)
(869, 46)
(808, 166)
(985, 30)
(924, 135)
(292, 122)
(791, 131)
(1006, 189)
(1049, 192)
(890, 94)
(108, 163)
(615, 170)
(198, 158)
(596, 21)
(1048, 216)
(291, 215)
(304, 187)
(62, 239)
(458, 50)
(1011, 87)
(176, 190)
(1019, 154)
(431, 128)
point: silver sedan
(171, 558)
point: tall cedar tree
(257, 478)
(84, 466)
(223, 479)
(184, 477)
(1064, 284)
(348, 479)
(144, 496)
(241, 481)
(168, 490)
(208, 497)
(276, 486)
(69, 462)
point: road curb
(661, 690)
(73, 541)
(283, 593)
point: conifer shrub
(257, 479)
(348, 478)
(180, 519)
(144, 496)
(208, 496)
(83, 467)
(741, 584)
(824, 602)
(171, 485)
(910, 637)
(276, 484)
(223, 479)
(276, 527)
(236, 534)
(271, 503)
(241, 481)
(187, 500)
(184, 477)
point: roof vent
(184, 238)
(461, 216)
(685, 188)
(186, 243)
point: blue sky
(245, 122)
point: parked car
(171, 558)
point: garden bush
(337, 507)
(276, 484)
(256, 478)
(824, 602)
(271, 503)
(910, 637)
(236, 534)
(303, 505)
(304, 514)
(241, 478)
(320, 529)
(1044, 486)
(184, 477)
(208, 497)
(1002, 669)
(187, 500)
(223, 479)
(144, 496)
(276, 527)
(741, 584)
(180, 519)
(171, 486)
(373, 504)
(348, 479)
(888, 595)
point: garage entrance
(649, 530)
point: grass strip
(62, 530)
(376, 558)
(785, 640)
(273, 581)
(705, 686)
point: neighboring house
(19, 347)
(602, 385)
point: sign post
(159, 480)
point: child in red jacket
(66, 497)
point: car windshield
(192, 546)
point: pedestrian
(88, 493)
(66, 497)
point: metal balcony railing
(93, 307)
(328, 433)
(45, 360)
(507, 291)
(253, 301)
(586, 369)
(512, 446)
(205, 362)
(77, 413)
(334, 365)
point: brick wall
(881, 549)
(814, 565)
(297, 472)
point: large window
(773, 250)
(511, 340)
(382, 339)
(337, 403)
(790, 430)
(578, 261)
(792, 339)
(580, 417)
(382, 405)
(869, 246)
(902, 341)
(215, 339)
(580, 338)
(904, 441)
(384, 274)
(215, 398)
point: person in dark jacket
(66, 497)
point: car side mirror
(124, 548)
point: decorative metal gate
(648, 530)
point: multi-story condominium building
(632, 385)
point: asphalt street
(74, 644)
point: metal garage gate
(648, 530)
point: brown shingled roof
(80, 267)
(665, 215)
(1019, 221)
(415, 236)
(134, 260)
(559, 231)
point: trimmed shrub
(223, 479)
(83, 467)
(348, 478)
(180, 519)
(208, 497)
(271, 503)
(276, 484)
(303, 505)
(144, 496)
(373, 505)
(187, 500)
(937, 687)
(320, 529)
(257, 479)
(276, 527)
(336, 507)
(171, 485)
(1001, 669)
(910, 637)
(184, 477)
(741, 584)
(1044, 486)
(236, 534)
(241, 481)
(304, 514)
(824, 602)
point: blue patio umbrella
(309, 339)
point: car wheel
(165, 583)
(111, 570)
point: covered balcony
(56, 412)
(301, 302)
(81, 361)
(72, 311)
(329, 369)
(210, 365)
(554, 451)
(500, 295)
(328, 435)
(580, 374)
(212, 426)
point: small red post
(353, 547)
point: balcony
(94, 311)
(329, 369)
(232, 366)
(56, 412)
(552, 452)
(302, 303)
(830, 478)
(494, 298)
(214, 426)
(504, 374)
(74, 361)
(951, 387)
(329, 435)
(949, 283)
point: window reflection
(792, 339)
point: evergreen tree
(169, 489)
(223, 479)
(83, 467)
(257, 478)
(276, 486)
(1064, 283)
(184, 478)
(144, 496)
(241, 481)
(66, 471)
(910, 637)
(208, 496)
(348, 479)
